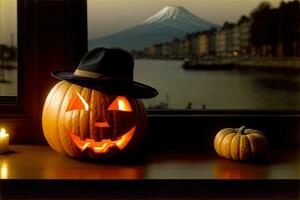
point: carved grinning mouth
(104, 145)
(120, 104)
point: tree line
(276, 29)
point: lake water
(8, 79)
(218, 89)
(215, 89)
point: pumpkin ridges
(219, 138)
(140, 117)
(114, 125)
(244, 148)
(99, 106)
(104, 115)
(84, 116)
(46, 118)
(54, 130)
(105, 101)
(142, 109)
(93, 130)
(45, 110)
(90, 134)
(63, 138)
(258, 135)
(251, 142)
(114, 121)
(256, 132)
(143, 114)
(89, 119)
(238, 147)
(225, 145)
(259, 142)
(235, 143)
(74, 119)
(59, 124)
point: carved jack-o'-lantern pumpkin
(96, 112)
(84, 122)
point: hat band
(95, 75)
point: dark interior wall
(52, 36)
(189, 131)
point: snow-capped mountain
(164, 26)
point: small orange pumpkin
(240, 144)
(86, 123)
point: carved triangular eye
(77, 103)
(121, 104)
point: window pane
(218, 54)
(8, 50)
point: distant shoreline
(237, 63)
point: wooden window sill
(37, 172)
(40, 162)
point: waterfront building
(186, 51)
(150, 52)
(183, 48)
(230, 40)
(244, 27)
(194, 44)
(166, 50)
(211, 36)
(236, 40)
(158, 50)
(174, 52)
(221, 43)
(228, 28)
(203, 48)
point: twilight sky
(8, 20)
(110, 16)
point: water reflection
(278, 84)
(218, 89)
(8, 51)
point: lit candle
(4, 141)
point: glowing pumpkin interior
(103, 145)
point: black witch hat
(110, 71)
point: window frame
(23, 119)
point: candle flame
(3, 131)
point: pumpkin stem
(241, 130)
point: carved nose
(101, 124)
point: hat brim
(115, 87)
